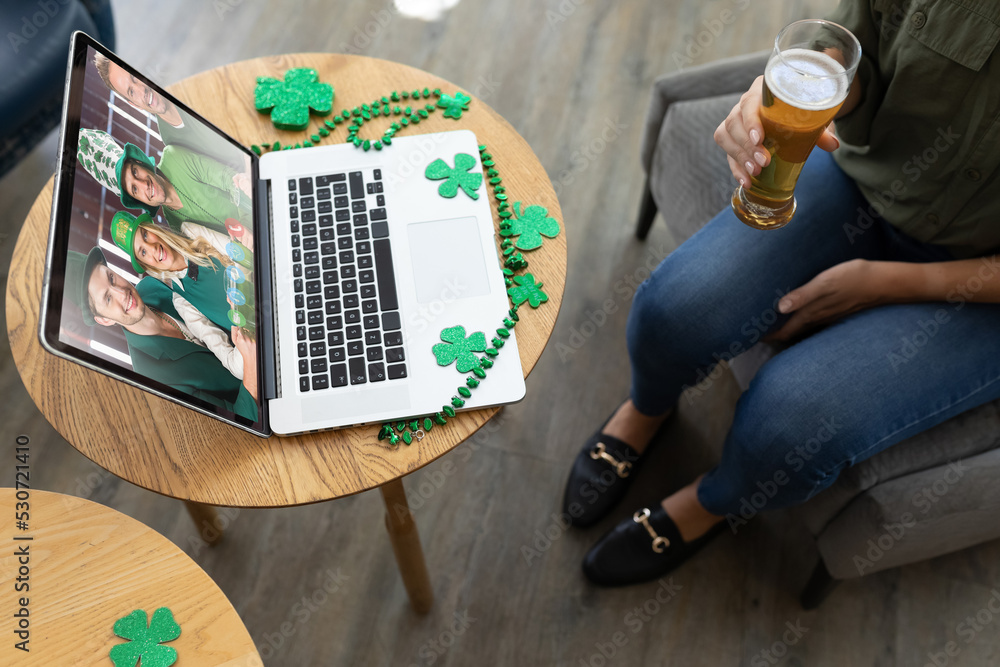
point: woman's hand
(247, 347)
(247, 239)
(840, 290)
(741, 135)
(242, 181)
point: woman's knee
(664, 309)
(783, 424)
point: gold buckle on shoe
(659, 543)
(623, 468)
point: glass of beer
(806, 81)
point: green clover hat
(134, 152)
(99, 154)
(79, 267)
(123, 227)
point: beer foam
(807, 79)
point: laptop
(297, 291)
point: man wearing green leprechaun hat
(176, 127)
(188, 187)
(208, 207)
(162, 343)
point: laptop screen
(152, 258)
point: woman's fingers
(741, 136)
(828, 141)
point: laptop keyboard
(347, 322)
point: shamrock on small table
(145, 641)
(458, 176)
(530, 225)
(454, 106)
(456, 347)
(290, 100)
(526, 289)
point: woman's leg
(716, 295)
(847, 392)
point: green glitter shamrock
(457, 347)
(290, 100)
(454, 106)
(530, 225)
(145, 642)
(526, 289)
(457, 177)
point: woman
(194, 267)
(895, 236)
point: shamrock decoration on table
(454, 106)
(457, 177)
(530, 225)
(526, 289)
(456, 347)
(145, 642)
(289, 101)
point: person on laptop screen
(191, 267)
(168, 340)
(103, 158)
(175, 126)
(188, 186)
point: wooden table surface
(89, 566)
(169, 449)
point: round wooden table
(204, 462)
(87, 566)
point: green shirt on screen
(923, 144)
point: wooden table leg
(406, 545)
(206, 521)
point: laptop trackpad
(447, 259)
(355, 403)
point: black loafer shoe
(645, 547)
(601, 474)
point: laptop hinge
(266, 330)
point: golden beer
(803, 90)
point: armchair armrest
(730, 75)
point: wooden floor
(560, 72)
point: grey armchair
(932, 494)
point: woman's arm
(959, 281)
(858, 284)
(211, 336)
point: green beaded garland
(457, 402)
(479, 371)
(407, 437)
(472, 382)
(503, 333)
(492, 352)
(440, 418)
(448, 410)
(486, 362)
(464, 391)
(428, 423)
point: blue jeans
(836, 397)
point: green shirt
(924, 142)
(206, 191)
(198, 137)
(183, 365)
